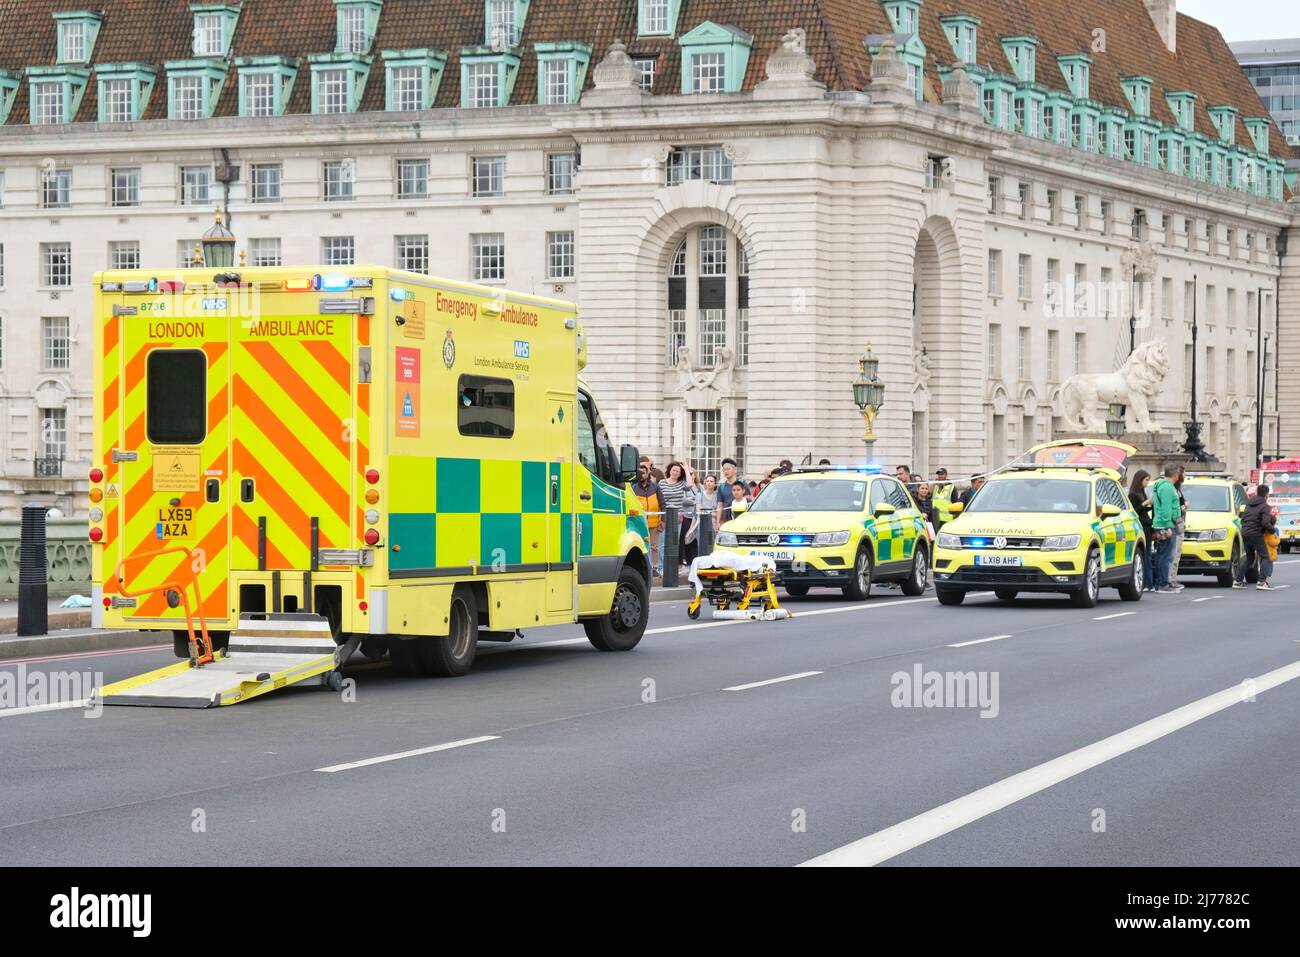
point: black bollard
(33, 575)
(669, 538)
(704, 537)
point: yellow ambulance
(411, 460)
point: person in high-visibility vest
(942, 498)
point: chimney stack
(1165, 15)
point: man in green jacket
(1166, 511)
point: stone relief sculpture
(1133, 386)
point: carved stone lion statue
(1133, 386)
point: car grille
(998, 576)
(1014, 543)
(792, 539)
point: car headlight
(831, 538)
(1060, 543)
(1212, 535)
(726, 538)
(948, 540)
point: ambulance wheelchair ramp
(267, 653)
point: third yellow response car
(1213, 542)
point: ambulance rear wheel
(452, 655)
(623, 627)
(949, 596)
(796, 591)
(919, 580)
(859, 586)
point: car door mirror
(883, 509)
(1241, 510)
(1111, 511)
(629, 462)
(957, 507)
(739, 506)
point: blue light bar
(332, 283)
(401, 295)
(977, 542)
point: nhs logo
(522, 349)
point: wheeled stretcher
(738, 587)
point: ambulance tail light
(171, 285)
(372, 536)
(97, 475)
(96, 534)
(372, 476)
(297, 285)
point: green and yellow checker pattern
(452, 514)
(896, 537)
(1119, 539)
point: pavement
(1120, 735)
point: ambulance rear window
(486, 407)
(177, 396)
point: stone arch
(936, 276)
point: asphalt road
(648, 758)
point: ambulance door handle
(585, 496)
(555, 492)
(214, 490)
(246, 490)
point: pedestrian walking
(646, 490)
(1139, 495)
(1180, 530)
(677, 490)
(1257, 523)
(1165, 513)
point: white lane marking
(1122, 614)
(1289, 561)
(1207, 598)
(978, 641)
(6, 662)
(1280, 587)
(33, 708)
(772, 681)
(408, 754)
(946, 818)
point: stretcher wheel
(693, 611)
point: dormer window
(657, 18)
(124, 90)
(1225, 121)
(962, 31)
(413, 78)
(504, 22)
(9, 83)
(1022, 54)
(1259, 132)
(265, 84)
(1138, 91)
(1183, 105)
(77, 30)
(214, 28)
(1076, 69)
(714, 58)
(487, 77)
(904, 14)
(338, 81)
(561, 72)
(355, 23)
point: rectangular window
(1080, 289)
(56, 189)
(264, 252)
(1105, 217)
(713, 335)
(488, 257)
(338, 175)
(1189, 300)
(489, 176)
(408, 89)
(656, 16)
(995, 272)
(332, 91)
(708, 163)
(1053, 356)
(188, 97)
(413, 253)
(1253, 372)
(72, 42)
(1252, 308)
(995, 194)
(1210, 377)
(1166, 298)
(742, 335)
(1211, 304)
(176, 396)
(1054, 302)
(412, 178)
(560, 255)
(126, 187)
(555, 82)
(560, 168)
(56, 350)
(646, 68)
(56, 265)
(119, 101)
(1053, 206)
(1080, 212)
(1107, 291)
(2, 265)
(503, 30)
(1232, 307)
(706, 440)
(338, 250)
(1080, 352)
(259, 93)
(1023, 358)
(196, 182)
(676, 334)
(1230, 381)
(54, 434)
(124, 254)
(713, 251)
(49, 104)
(185, 254)
(1025, 277)
(485, 407)
(708, 73)
(208, 35)
(267, 180)
(994, 354)
(484, 85)
(740, 440)
(354, 38)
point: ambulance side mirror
(739, 506)
(1241, 510)
(1111, 511)
(629, 460)
(956, 507)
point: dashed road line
(1207, 598)
(1122, 614)
(384, 758)
(772, 681)
(978, 641)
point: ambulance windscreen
(176, 396)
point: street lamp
(218, 246)
(869, 396)
(1194, 446)
(1115, 421)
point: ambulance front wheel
(623, 627)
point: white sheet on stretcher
(739, 563)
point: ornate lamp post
(869, 397)
(1115, 421)
(219, 246)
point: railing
(67, 557)
(49, 467)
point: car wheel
(623, 627)
(452, 655)
(919, 580)
(859, 586)
(796, 591)
(1085, 596)
(1006, 594)
(1131, 590)
(950, 596)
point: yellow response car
(1043, 528)
(1212, 544)
(842, 528)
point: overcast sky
(1247, 19)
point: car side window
(899, 497)
(879, 493)
(1238, 498)
(1109, 494)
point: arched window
(708, 298)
